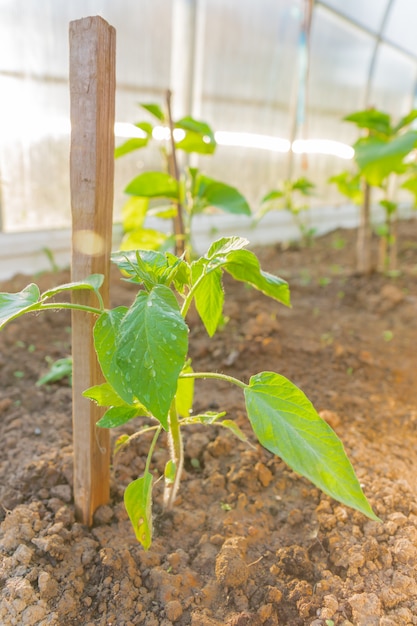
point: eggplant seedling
(143, 353)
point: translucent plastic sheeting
(368, 13)
(401, 25)
(340, 58)
(34, 103)
(397, 95)
(245, 80)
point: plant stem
(216, 375)
(68, 305)
(152, 448)
(177, 457)
(190, 294)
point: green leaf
(349, 185)
(138, 503)
(151, 348)
(411, 185)
(147, 267)
(286, 423)
(208, 296)
(92, 282)
(105, 334)
(234, 428)
(134, 213)
(135, 143)
(405, 121)
(144, 238)
(138, 261)
(212, 193)
(170, 471)
(184, 397)
(207, 418)
(199, 137)
(13, 305)
(243, 265)
(153, 185)
(223, 246)
(104, 395)
(155, 110)
(303, 185)
(117, 415)
(272, 195)
(58, 370)
(377, 158)
(372, 120)
(388, 206)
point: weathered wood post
(92, 94)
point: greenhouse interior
(274, 91)
(208, 305)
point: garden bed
(249, 542)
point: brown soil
(249, 542)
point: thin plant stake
(92, 91)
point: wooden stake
(92, 91)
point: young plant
(291, 197)
(143, 353)
(381, 158)
(183, 194)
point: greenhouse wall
(260, 73)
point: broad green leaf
(208, 296)
(153, 185)
(388, 206)
(225, 245)
(13, 305)
(184, 397)
(144, 238)
(199, 137)
(138, 503)
(286, 423)
(349, 185)
(146, 127)
(155, 110)
(92, 282)
(104, 395)
(372, 120)
(303, 185)
(212, 193)
(135, 143)
(117, 415)
(243, 265)
(151, 349)
(105, 334)
(134, 213)
(196, 126)
(377, 158)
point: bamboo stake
(92, 91)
